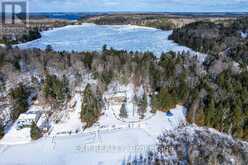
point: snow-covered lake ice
(91, 37)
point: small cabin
(26, 119)
(117, 98)
(43, 123)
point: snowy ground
(110, 120)
(105, 146)
(244, 34)
(14, 136)
(110, 141)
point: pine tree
(104, 47)
(210, 111)
(35, 132)
(182, 91)
(90, 109)
(142, 106)
(1, 131)
(19, 98)
(55, 88)
(49, 48)
(123, 111)
(237, 112)
(164, 101)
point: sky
(138, 5)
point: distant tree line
(215, 38)
(155, 21)
(30, 35)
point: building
(26, 119)
(117, 98)
(43, 123)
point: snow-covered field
(111, 140)
(91, 37)
(104, 146)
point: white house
(43, 123)
(26, 119)
(116, 98)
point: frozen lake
(91, 37)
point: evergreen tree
(49, 48)
(2, 59)
(237, 119)
(142, 106)
(182, 91)
(123, 111)
(1, 131)
(164, 101)
(237, 112)
(104, 47)
(35, 132)
(90, 109)
(210, 111)
(55, 88)
(87, 59)
(31, 35)
(19, 98)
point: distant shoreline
(78, 15)
(197, 14)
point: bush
(35, 132)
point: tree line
(218, 101)
(214, 38)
